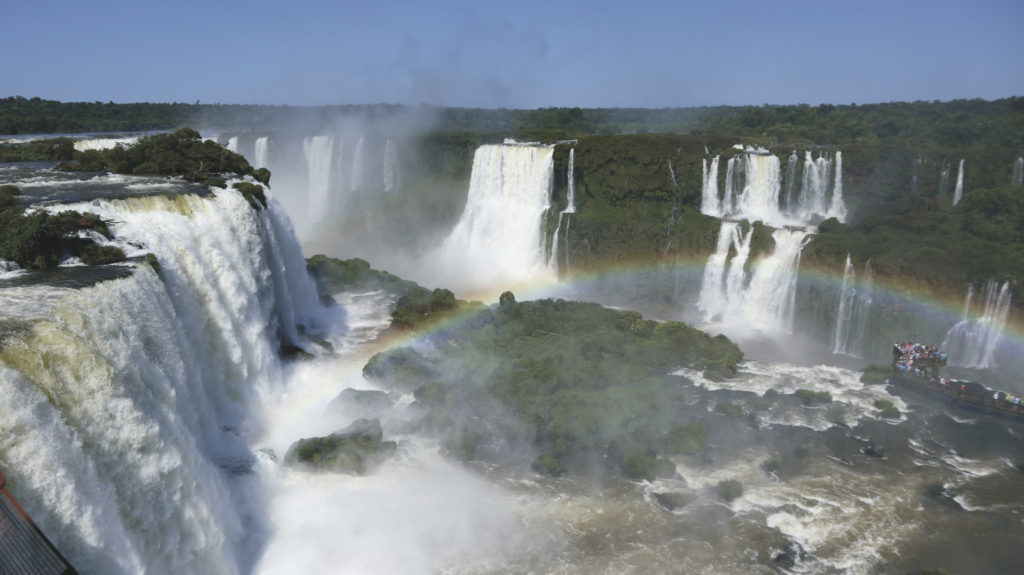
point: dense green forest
(931, 126)
(638, 172)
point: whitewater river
(145, 415)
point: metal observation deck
(24, 550)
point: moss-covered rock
(811, 397)
(729, 489)
(253, 194)
(671, 501)
(355, 450)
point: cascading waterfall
(498, 240)
(1017, 178)
(759, 199)
(358, 179)
(770, 296)
(261, 150)
(763, 299)
(944, 178)
(233, 144)
(974, 342)
(815, 184)
(846, 294)
(853, 311)
(710, 204)
(103, 143)
(958, 193)
(719, 290)
(392, 175)
(791, 167)
(837, 207)
(319, 153)
(127, 407)
(553, 260)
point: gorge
(151, 403)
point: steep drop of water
(853, 311)
(555, 263)
(710, 203)
(128, 404)
(319, 154)
(958, 193)
(261, 150)
(1017, 178)
(392, 173)
(974, 342)
(498, 240)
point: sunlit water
(145, 419)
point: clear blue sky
(516, 54)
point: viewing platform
(24, 550)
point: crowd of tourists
(924, 362)
(915, 358)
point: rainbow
(942, 308)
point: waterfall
(760, 197)
(958, 193)
(944, 178)
(763, 298)
(319, 153)
(837, 207)
(710, 204)
(103, 143)
(730, 184)
(973, 342)
(570, 208)
(770, 297)
(791, 167)
(720, 290)
(841, 334)
(815, 185)
(498, 240)
(233, 144)
(261, 152)
(392, 175)
(358, 180)
(853, 311)
(128, 405)
(1017, 179)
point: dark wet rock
(671, 501)
(729, 489)
(785, 560)
(874, 450)
(361, 400)
(356, 449)
(788, 558)
(940, 494)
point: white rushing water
(261, 152)
(498, 240)
(555, 263)
(759, 297)
(319, 154)
(103, 143)
(392, 169)
(974, 342)
(958, 192)
(128, 406)
(853, 311)
(1017, 177)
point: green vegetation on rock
(577, 382)
(355, 450)
(38, 239)
(811, 397)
